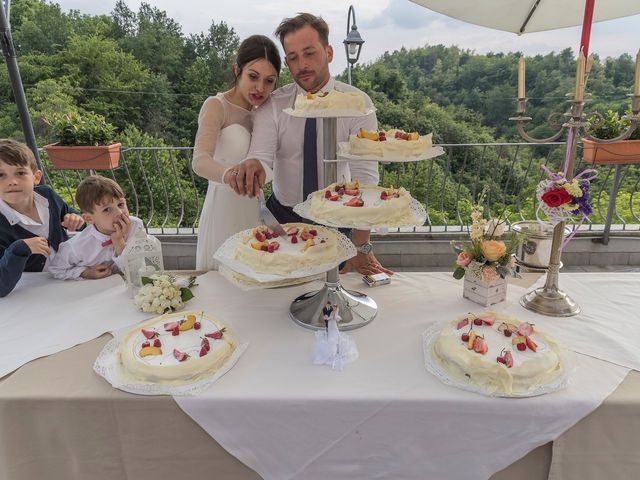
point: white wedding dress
(225, 213)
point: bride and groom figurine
(333, 347)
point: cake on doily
(350, 203)
(498, 354)
(330, 101)
(389, 143)
(305, 246)
(176, 349)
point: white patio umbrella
(526, 16)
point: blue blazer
(15, 255)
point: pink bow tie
(106, 243)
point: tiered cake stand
(356, 309)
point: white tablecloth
(384, 416)
(43, 316)
(608, 325)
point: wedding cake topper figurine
(332, 347)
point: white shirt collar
(93, 231)
(14, 217)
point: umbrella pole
(586, 26)
(6, 45)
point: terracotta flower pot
(622, 152)
(83, 157)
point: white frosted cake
(498, 354)
(354, 204)
(389, 144)
(330, 101)
(305, 246)
(178, 348)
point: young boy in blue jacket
(33, 217)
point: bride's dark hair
(256, 47)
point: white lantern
(141, 257)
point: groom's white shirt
(278, 141)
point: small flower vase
(485, 293)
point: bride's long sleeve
(210, 121)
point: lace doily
(429, 336)
(246, 283)
(328, 113)
(344, 152)
(108, 367)
(418, 217)
(225, 255)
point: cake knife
(268, 219)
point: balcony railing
(163, 191)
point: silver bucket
(536, 251)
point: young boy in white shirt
(96, 251)
(34, 220)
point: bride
(222, 141)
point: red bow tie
(106, 243)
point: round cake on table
(350, 203)
(498, 354)
(178, 348)
(330, 101)
(305, 246)
(389, 144)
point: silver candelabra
(549, 299)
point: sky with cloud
(385, 25)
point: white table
(60, 420)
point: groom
(293, 146)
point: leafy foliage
(77, 129)
(145, 76)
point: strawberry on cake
(305, 246)
(389, 144)
(498, 354)
(332, 101)
(352, 204)
(178, 348)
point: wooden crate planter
(83, 157)
(623, 152)
(485, 293)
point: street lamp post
(353, 42)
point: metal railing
(164, 192)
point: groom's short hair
(290, 25)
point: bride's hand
(247, 178)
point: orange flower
(493, 249)
(464, 258)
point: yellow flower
(568, 207)
(573, 188)
(493, 249)
(477, 232)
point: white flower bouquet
(162, 293)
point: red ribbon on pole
(586, 26)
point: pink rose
(493, 250)
(464, 258)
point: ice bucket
(536, 251)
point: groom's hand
(250, 178)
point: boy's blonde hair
(94, 190)
(17, 154)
